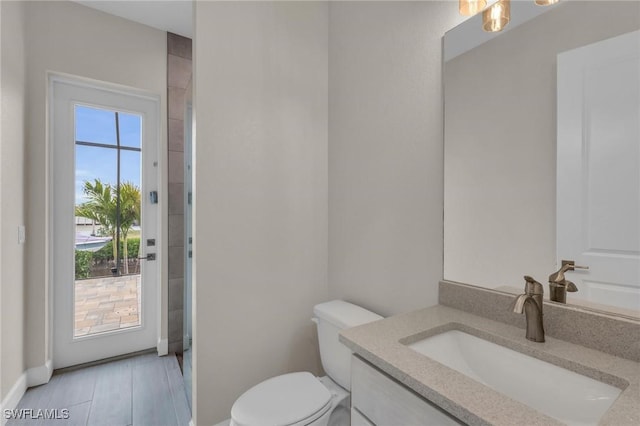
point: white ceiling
(175, 16)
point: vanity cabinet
(379, 400)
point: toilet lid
(280, 401)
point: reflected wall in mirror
(500, 150)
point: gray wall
(500, 147)
(300, 106)
(260, 201)
(385, 152)
(12, 196)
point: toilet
(298, 399)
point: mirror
(501, 123)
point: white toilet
(298, 399)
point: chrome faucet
(531, 303)
(559, 285)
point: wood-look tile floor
(145, 390)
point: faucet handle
(532, 286)
(570, 286)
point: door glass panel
(95, 125)
(94, 163)
(130, 167)
(130, 125)
(107, 290)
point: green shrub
(133, 244)
(106, 252)
(84, 259)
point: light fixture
(496, 17)
(471, 7)
(546, 2)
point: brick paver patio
(106, 304)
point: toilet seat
(287, 400)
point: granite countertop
(469, 400)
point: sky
(99, 125)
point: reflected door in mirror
(598, 186)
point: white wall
(500, 148)
(2, 393)
(69, 38)
(260, 228)
(12, 197)
(385, 152)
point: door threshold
(104, 361)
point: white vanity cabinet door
(385, 402)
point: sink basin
(569, 397)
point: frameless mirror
(511, 103)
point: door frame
(158, 323)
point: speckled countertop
(383, 343)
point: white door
(598, 189)
(104, 146)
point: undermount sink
(569, 397)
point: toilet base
(340, 412)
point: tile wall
(178, 80)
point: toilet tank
(332, 317)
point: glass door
(105, 230)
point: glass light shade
(496, 17)
(471, 7)
(546, 2)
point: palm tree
(102, 206)
(129, 215)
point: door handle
(150, 256)
(573, 265)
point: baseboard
(163, 347)
(10, 402)
(40, 375)
(32, 377)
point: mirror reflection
(542, 157)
